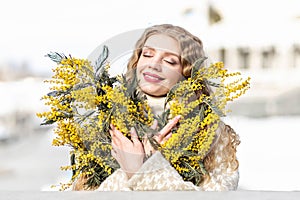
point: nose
(156, 63)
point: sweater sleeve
(155, 174)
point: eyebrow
(166, 51)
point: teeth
(154, 78)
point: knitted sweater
(157, 173)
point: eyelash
(170, 62)
(149, 55)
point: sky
(30, 29)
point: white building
(262, 40)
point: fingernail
(178, 117)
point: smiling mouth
(152, 77)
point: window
(296, 55)
(244, 57)
(268, 55)
(222, 53)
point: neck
(156, 104)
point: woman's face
(159, 67)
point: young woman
(163, 56)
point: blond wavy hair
(191, 48)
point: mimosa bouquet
(84, 100)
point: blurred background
(260, 38)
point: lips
(153, 78)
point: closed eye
(147, 55)
(171, 62)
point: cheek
(140, 64)
(139, 71)
(139, 68)
(174, 74)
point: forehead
(163, 42)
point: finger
(112, 127)
(115, 146)
(166, 138)
(167, 129)
(114, 140)
(118, 135)
(111, 133)
(154, 125)
(134, 136)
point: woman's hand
(162, 136)
(129, 153)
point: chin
(153, 92)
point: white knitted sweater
(157, 173)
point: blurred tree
(214, 15)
